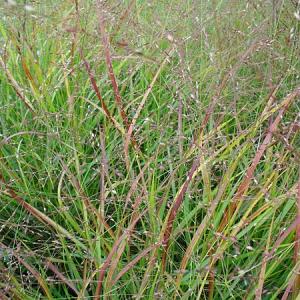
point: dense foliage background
(149, 149)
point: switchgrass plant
(149, 149)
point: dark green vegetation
(149, 149)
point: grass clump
(149, 150)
